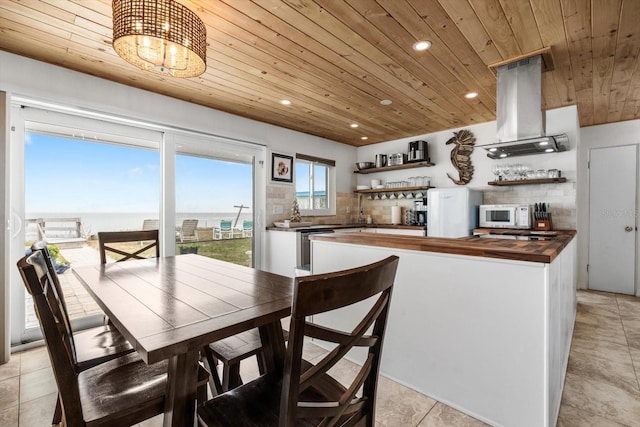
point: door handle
(628, 228)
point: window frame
(331, 184)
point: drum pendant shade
(161, 36)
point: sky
(69, 175)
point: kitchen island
(483, 325)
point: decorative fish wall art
(463, 141)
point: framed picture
(281, 168)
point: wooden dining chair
(304, 394)
(112, 242)
(121, 391)
(93, 346)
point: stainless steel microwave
(505, 216)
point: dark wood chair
(93, 346)
(304, 394)
(111, 241)
(121, 391)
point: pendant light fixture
(161, 36)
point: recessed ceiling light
(386, 102)
(544, 143)
(354, 125)
(503, 155)
(421, 45)
(364, 138)
(549, 150)
(493, 150)
(285, 102)
(471, 95)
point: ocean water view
(93, 222)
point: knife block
(543, 224)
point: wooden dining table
(170, 307)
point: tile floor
(602, 387)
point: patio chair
(247, 228)
(303, 393)
(121, 391)
(150, 224)
(223, 231)
(188, 232)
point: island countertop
(543, 251)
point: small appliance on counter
(418, 151)
(420, 211)
(505, 216)
(453, 212)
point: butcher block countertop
(543, 251)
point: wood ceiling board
(342, 58)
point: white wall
(609, 135)
(561, 196)
(561, 120)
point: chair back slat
(61, 308)
(149, 239)
(324, 293)
(50, 309)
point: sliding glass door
(79, 177)
(214, 201)
(72, 176)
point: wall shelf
(396, 167)
(392, 190)
(529, 181)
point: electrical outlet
(348, 209)
(277, 209)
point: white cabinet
(282, 252)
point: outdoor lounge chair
(223, 231)
(247, 228)
(187, 232)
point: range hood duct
(520, 119)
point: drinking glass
(506, 170)
(497, 170)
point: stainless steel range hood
(519, 115)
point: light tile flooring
(602, 386)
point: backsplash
(561, 197)
(280, 199)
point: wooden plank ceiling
(336, 60)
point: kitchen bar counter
(544, 251)
(481, 324)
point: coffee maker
(418, 151)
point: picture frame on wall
(281, 168)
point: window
(315, 188)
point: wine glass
(496, 169)
(506, 170)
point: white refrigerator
(452, 212)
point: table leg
(180, 400)
(273, 346)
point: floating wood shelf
(396, 167)
(393, 190)
(529, 181)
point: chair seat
(97, 345)
(237, 347)
(105, 401)
(257, 404)
(102, 394)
